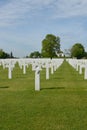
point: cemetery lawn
(60, 105)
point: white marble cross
(37, 78)
(85, 74)
(47, 70)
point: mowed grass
(60, 105)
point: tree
(3, 54)
(35, 54)
(11, 55)
(85, 55)
(50, 45)
(77, 51)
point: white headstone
(24, 68)
(85, 75)
(37, 78)
(52, 69)
(47, 70)
(9, 72)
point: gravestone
(37, 78)
(47, 70)
(85, 74)
(36, 67)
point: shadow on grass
(51, 88)
(4, 87)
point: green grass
(60, 105)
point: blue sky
(25, 23)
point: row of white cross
(37, 66)
(79, 64)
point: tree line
(51, 48)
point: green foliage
(50, 45)
(85, 55)
(35, 54)
(77, 51)
(4, 54)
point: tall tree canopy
(50, 45)
(77, 51)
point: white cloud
(16, 10)
(65, 8)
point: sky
(25, 23)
